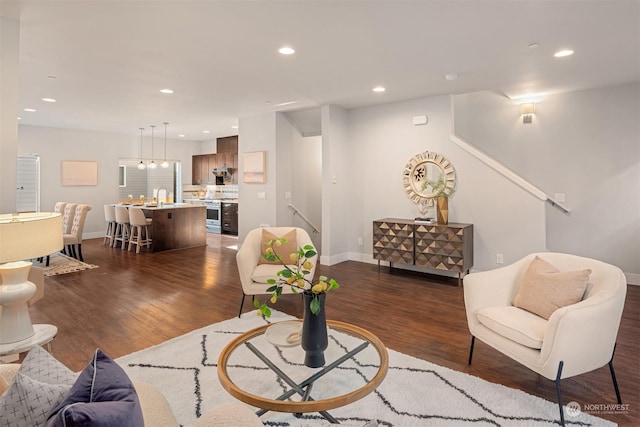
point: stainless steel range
(214, 216)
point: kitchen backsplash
(210, 191)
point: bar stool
(140, 231)
(123, 230)
(110, 217)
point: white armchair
(254, 276)
(575, 339)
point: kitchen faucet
(166, 192)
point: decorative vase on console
(443, 210)
(314, 331)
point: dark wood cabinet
(226, 156)
(227, 144)
(201, 169)
(230, 218)
(440, 247)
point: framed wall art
(254, 165)
(79, 172)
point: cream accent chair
(73, 240)
(254, 276)
(576, 339)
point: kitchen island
(177, 226)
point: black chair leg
(559, 393)
(48, 258)
(613, 377)
(80, 252)
(473, 340)
(241, 304)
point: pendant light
(141, 165)
(152, 164)
(165, 164)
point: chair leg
(613, 377)
(559, 392)
(132, 236)
(48, 258)
(80, 252)
(241, 304)
(473, 341)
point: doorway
(28, 183)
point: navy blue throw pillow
(102, 396)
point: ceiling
(111, 58)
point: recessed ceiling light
(563, 53)
(166, 90)
(48, 100)
(51, 77)
(379, 89)
(181, 135)
(234, 127)
(31, 110)
(451, 76)
(286, 50)
(285, 103)
(206, 131)
(19, 118)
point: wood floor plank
(133, 301)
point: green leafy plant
(439, 186)
(295, 275)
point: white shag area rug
(62, 264)
(414, 392)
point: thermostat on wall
(420, 120)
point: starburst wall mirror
(426, 177)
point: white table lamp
(22, 237)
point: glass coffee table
(263, 370)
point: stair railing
(296, 211)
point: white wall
(382, 139)
(9, 103)
(257, 133)
(293, 168)
(54, 145)
(307, 186)
(584, 144)
(337, 191)
(299, 168)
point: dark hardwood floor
(133, 301)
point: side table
(44, 334)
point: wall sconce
(527, 111)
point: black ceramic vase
(314, 332)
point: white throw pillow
(42, 382)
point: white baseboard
(633, 279)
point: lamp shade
(29, 235)
(528, 108)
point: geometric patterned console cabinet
(439, 247)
